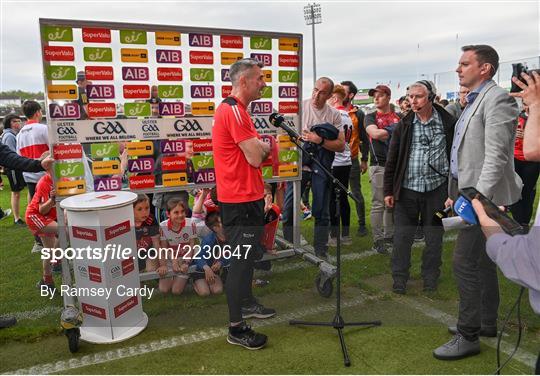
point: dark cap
(81, 76)
(381, 89)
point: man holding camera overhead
(481, 157)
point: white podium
(98, 219)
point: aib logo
(183, 125)
(108, 127)
(225, 75)
(200, 40)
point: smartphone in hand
(507, 223)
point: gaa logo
(66, 130)
(150, 128)
(108, 127)
(182, 125)
(261, 123)
(82, 271)
(116, 271)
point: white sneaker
(332, 242)
(36, 248)
(6, 213)
(346, 240)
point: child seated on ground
(177, 235)
(146, 232)
(41, 220)
(210, 261)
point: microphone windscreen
(464, 209)
(276, 119)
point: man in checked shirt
(415, 182)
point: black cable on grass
(520, 329)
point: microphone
(441, 214)
(278, 121)
(464, 209)
(465, 217)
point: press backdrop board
(168, 141)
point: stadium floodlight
(313, 16)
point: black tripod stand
(337, 323)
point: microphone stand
(338, 322)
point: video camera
(517, 69)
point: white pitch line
(158, 345)
(521, 355)
(41, 312)
(305, 264)
(36, 313)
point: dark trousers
(528, 172)
(408, 208)
(305, 195)
(244, 225)
(31, 189)
(355, 178)
(320, 186)
(476, 278)
(341, 173)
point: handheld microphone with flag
(465, 217)
(465, 210)
(278, 121)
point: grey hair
(422, 83)
(418, 84)
(329, 81)
(240, 67)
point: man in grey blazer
(481, 157)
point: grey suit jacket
(486, 149)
